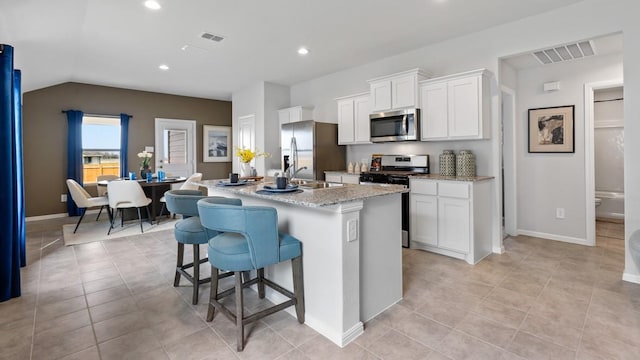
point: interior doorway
(508, 168)
(175, 146)
(602, 130)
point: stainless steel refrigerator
(317, 149)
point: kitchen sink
(312, 184)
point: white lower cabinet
(344, 178)
(451, 217)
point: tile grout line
(35, 305)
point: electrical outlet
(63, 198)
(559, 213)
(352, 230)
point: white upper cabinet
(353, 119)
(433, 100)
(396, 91)
(456, 107)
(295, 114)
(381, 95)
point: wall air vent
(565, 52)
(212, 37)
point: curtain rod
(618, 99)
(98, 115)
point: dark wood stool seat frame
(296, 298)
(181, 270)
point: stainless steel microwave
(400, 125)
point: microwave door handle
(405, 124)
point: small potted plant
(246, 156)
(145, 163)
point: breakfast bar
(351, 249)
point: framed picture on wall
(216, 143)
(551, 130)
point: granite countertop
(310, 197)
(452, 178)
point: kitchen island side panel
(380, 255)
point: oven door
(399, 125)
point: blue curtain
(12, 235)
(74, 154)
(124, 144)
(19, 166)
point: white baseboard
(567, 239)
(340, 339)
(633, 278)
(57, 216)
(45, 217)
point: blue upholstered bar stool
(249, 240)
(190, 231)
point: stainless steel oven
(396, 169)
(401, 125)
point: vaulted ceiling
(121, 43)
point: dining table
(153, 189)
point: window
(100, 147)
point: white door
(247, 136)
(175, 146)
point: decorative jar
(144, 170)
(466, 164)
(448, 163)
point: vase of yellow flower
(246, 156)
(145, 163)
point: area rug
(97, 230)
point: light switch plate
(148, 148)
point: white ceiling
(604, 45)
(121, 43)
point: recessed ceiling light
(152, 4)
(303, 51)
(163, 67)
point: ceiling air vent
(565, 52)
(212, 37)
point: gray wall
(45, 132)
(584, 20)
(550, 181)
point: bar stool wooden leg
(213, 294)
(261, 283)
(176, 279)
(298, 287)
(196, 273)
(239, 312)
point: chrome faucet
(293, 170)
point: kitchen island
(351, 236)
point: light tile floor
(115, 300)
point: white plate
(273, 188)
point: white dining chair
(126, 194)
(102, 190)
(84, 200)
(187, 185)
